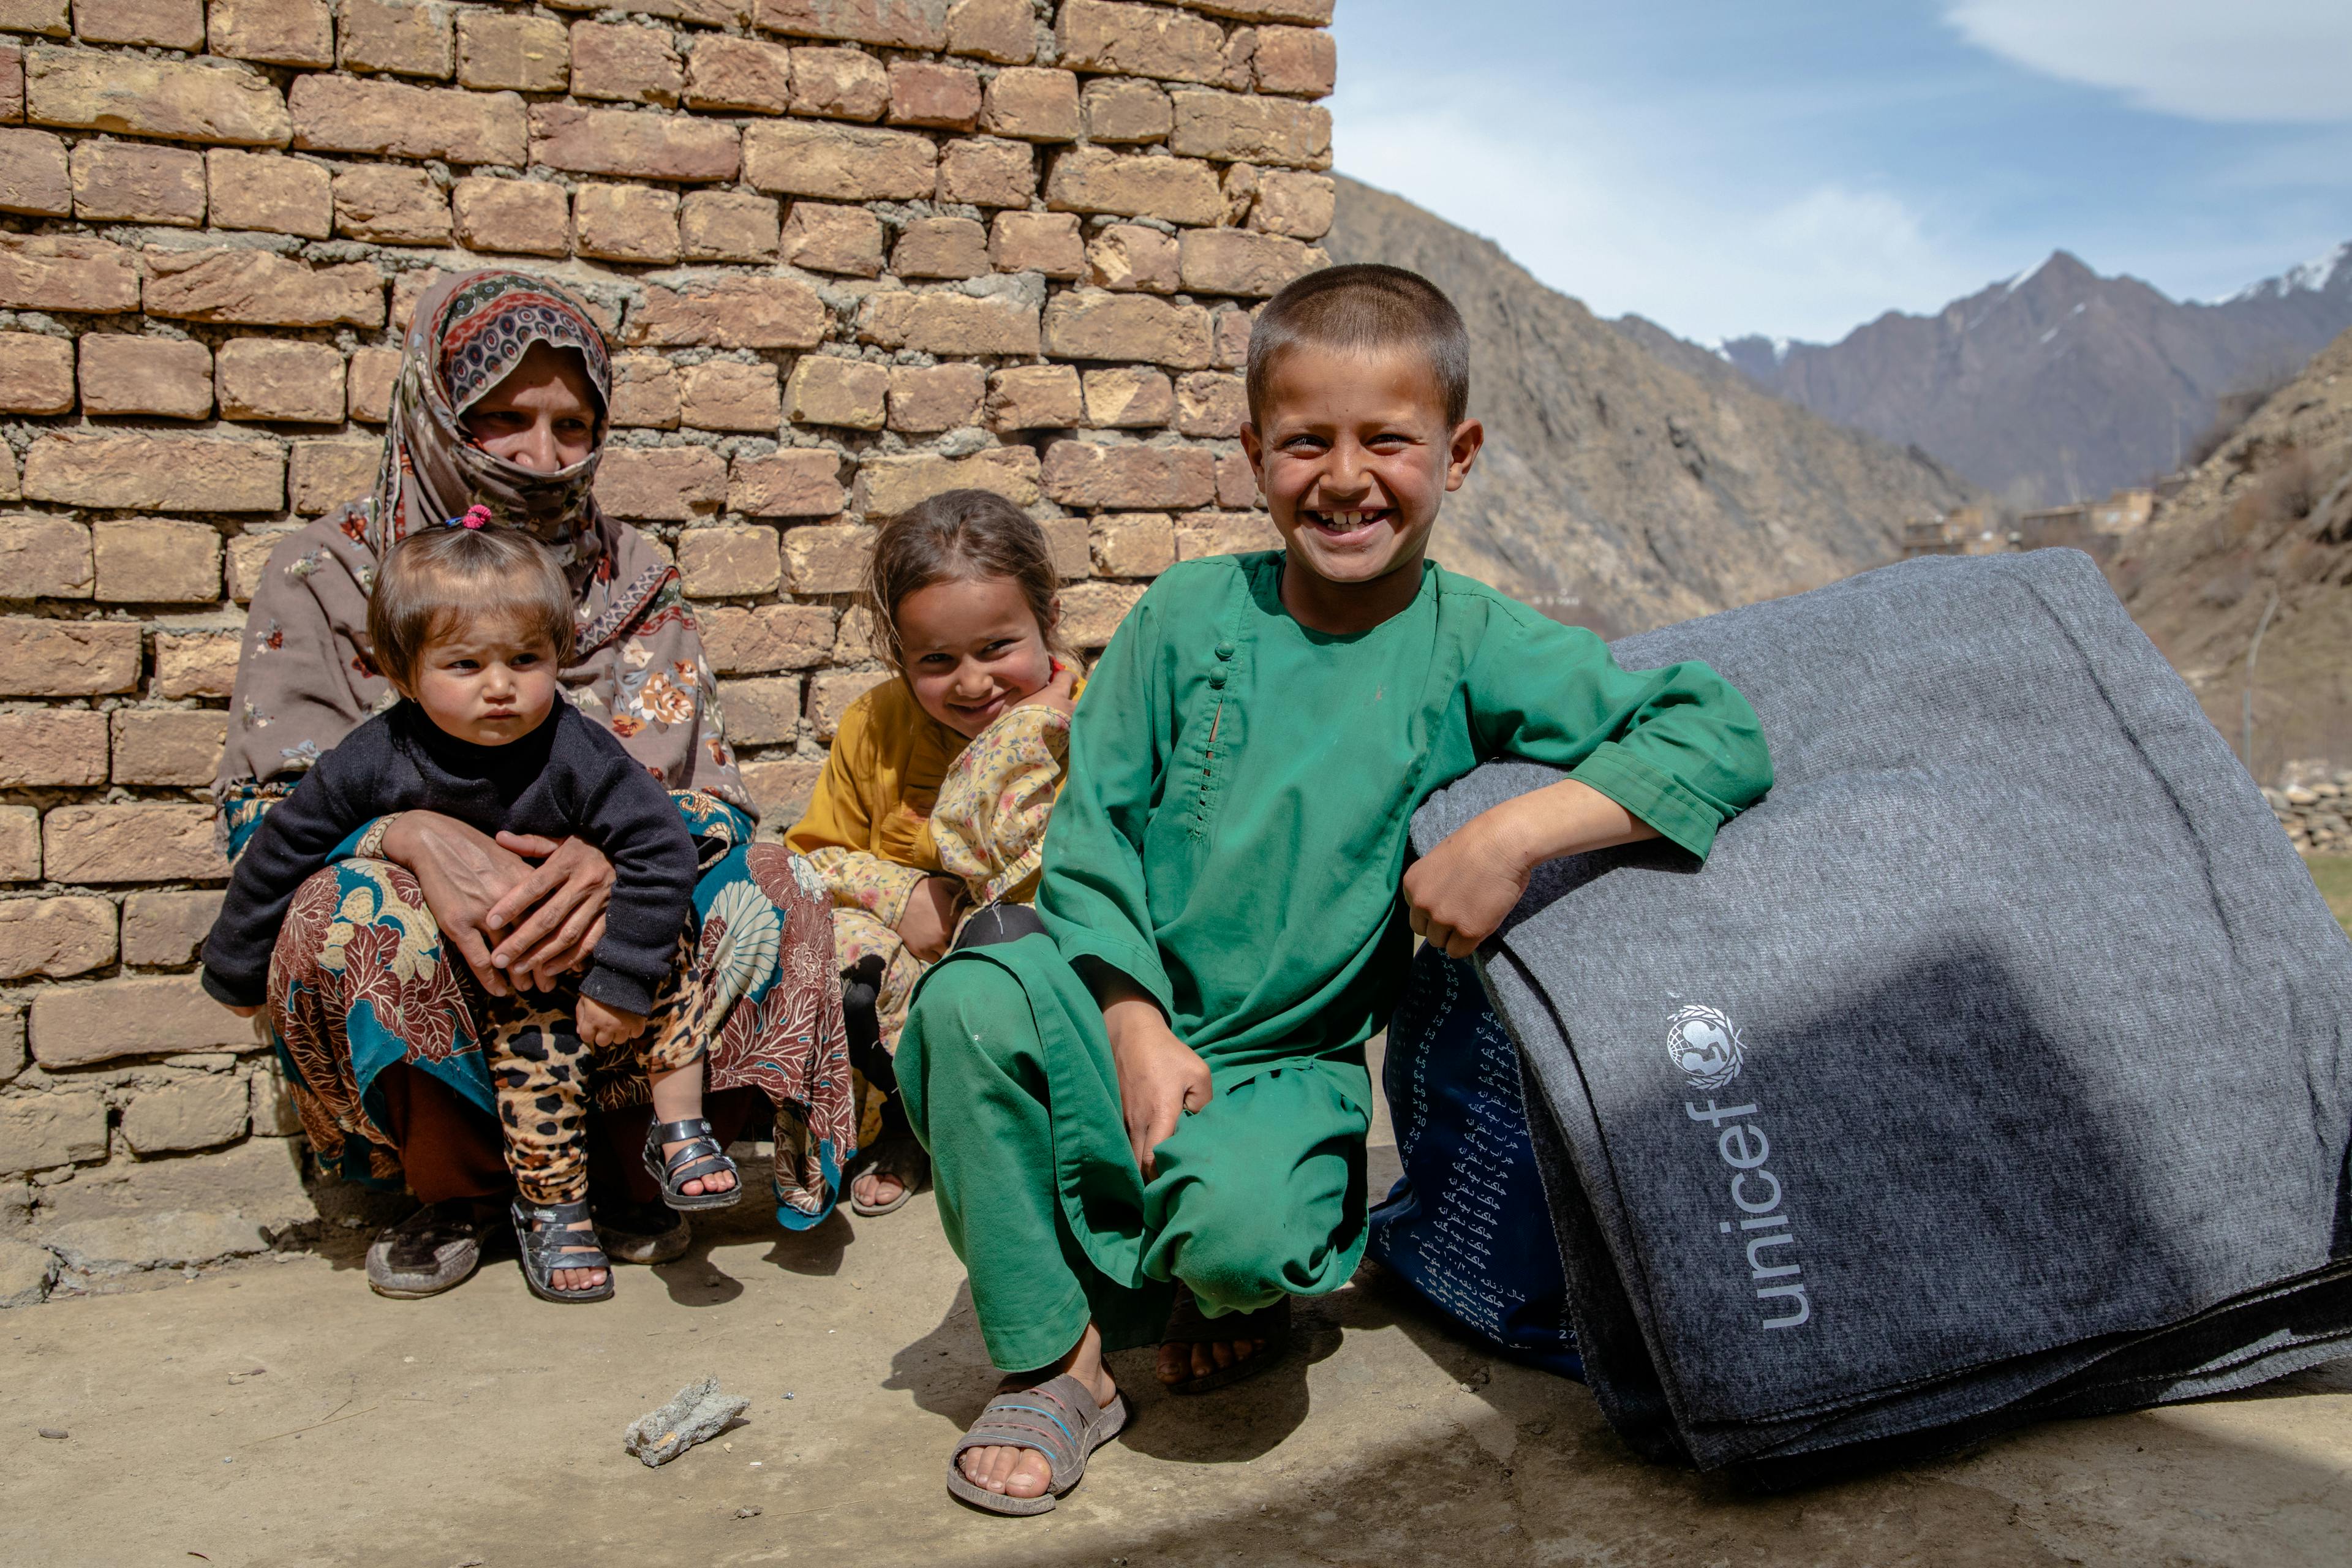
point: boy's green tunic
(1231, 837)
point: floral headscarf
(305, 679)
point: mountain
(2060, 384)
(1621, 488)
(2266, 521)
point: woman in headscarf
(425, 937)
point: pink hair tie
(475, 517)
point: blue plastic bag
(1467, 1226)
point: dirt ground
(274, 1412)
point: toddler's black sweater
(569, 778)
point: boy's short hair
(1365, 307)
(451, 575)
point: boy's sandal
(1060, 1419)
(640, 1233)
(1188, 1325)
(549, 1243)
(903, 1160)
(432, 1249)
(702, 1159)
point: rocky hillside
(2060, 384)
(2270, 514)
(1623, 490)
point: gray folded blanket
(1993, 1068)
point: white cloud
(2253, 61)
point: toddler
(471, 625)
(933, 803)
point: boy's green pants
(1008, 1081)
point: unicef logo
(1706, 1045)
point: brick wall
(851, 252)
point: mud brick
(43, 558)
(1004, 31)
(1130, 477)
(281, 32)
(1047, 243)
(762, 712)
(54, 937)
(1243, 261)
(1225, 533)
(20, 844)
(1237, 481)
(728, 563)
(1303, 61)
(523, 54)
(339, 114)
(161, 928)
(646, 146)
(925, 400)
(887, 486)
(839, 163)
(839, 84)
(41, 272)
(41, 657)
(249, 552)
(1236, 127)
(134, 1015)
(195, 664)
(168, 745)
(11, 82)
(128, 182)
(769, 638)
(857, 641)
(830, 558)
(1129, 397)
(661, 484)
(323, 475)
(123, 373)
(35, 17)
(405, 37)
(1033, 103)
(52, 747)
(727, 394)
(833, 239)
(1129, 185)
(1084, 324)
(194, 1110)
(520, 217)
(625, 223)
(36, 376)
(709, 13)
(942, 247)
(1034, 397)
(942, 96)
(1141, 544)
(388, 204)
(897, 23)
(33, 178)
(256, 287)
(988, 173)
(1299, 205)
(942, 321)
(847, 393)
(9, 487)
(58, 1128)
(1308, 13)
(830, 694)
(727, 226)
(632, 65)
(645, 392)
(1141, 40)
(140, 472)
(745, 74)
(1122, 110)
(277, 378)
(369, 378)
(134, 96)
(804, 481)
(1129, 258)
(1229, 336)
(1211, 404)
(782, 786)
(1091, 611)
(156, 561)
(730, 313)
(270, 192)
(1241, 189)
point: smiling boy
(1150, 1121)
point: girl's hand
(1159, 1077)
(602, 1025)
(1055, 693)
(566, 896)
(463, 873)
(930, 917)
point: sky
(1797, 167)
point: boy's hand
(929, 919)
(1159, 1077)
(1461, 890)
(602, 1025)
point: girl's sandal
(1060, 1419)
(1187, 1325)
(549, 1243)
(700, 1160)
(900, 1159)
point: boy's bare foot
(1181, 1363)
(1024, 1472)
(718, 1181)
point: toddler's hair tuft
(1365, 307)
(437, 580)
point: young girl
(471, 625)
(933, 801)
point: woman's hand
(930, 918)
(1055, 693)
(464, 874)
(1159, 1077)
(566, 896)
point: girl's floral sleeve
(989, 822)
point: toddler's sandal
(700, 1160)
(1060, 1419)
(549, 1243)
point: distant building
(1963, 530)
(2123, 511)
